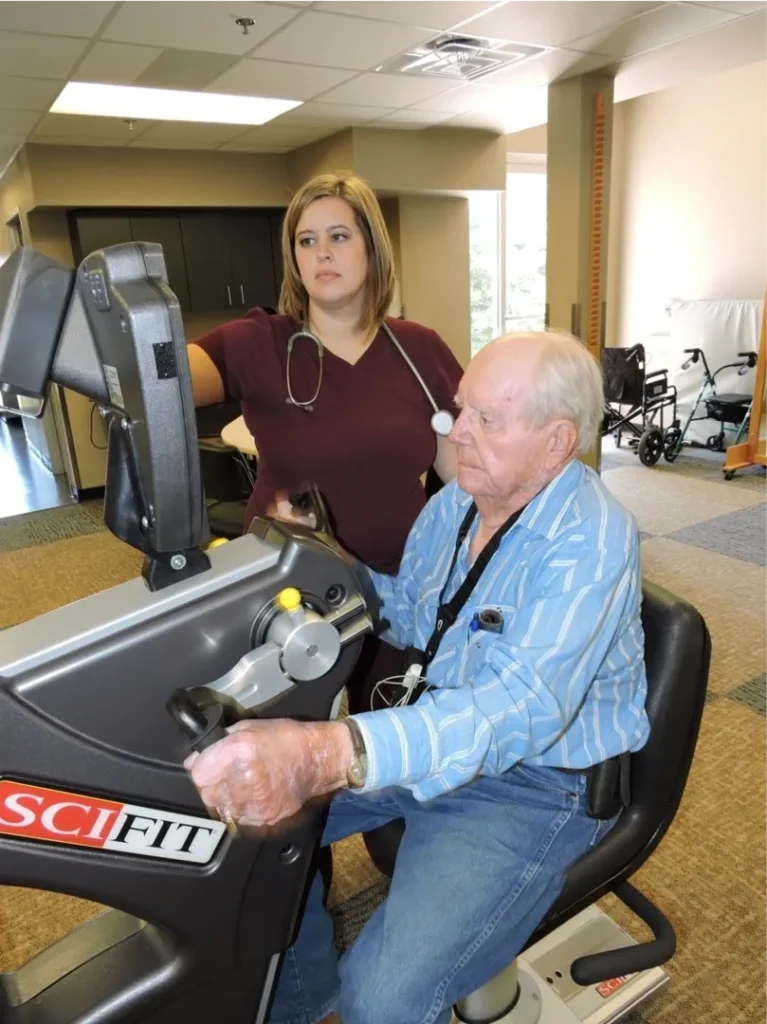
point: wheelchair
(649, 398)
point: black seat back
(677, 657)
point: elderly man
(518, 601)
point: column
(579, 148)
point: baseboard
(88, 493)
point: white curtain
(722, 328)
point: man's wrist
(333, 753)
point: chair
(225, 479)
(677, 656)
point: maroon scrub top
(367, 441)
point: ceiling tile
(115, 63)
(38, 56)
(28, 93)
(545, 68)
(343, 114)
(287, 135)
(553, 23)
(8, 149)
(191, 131)
(388, 90)
(18, 122)
(209, 26)
(434, 14)
(252, 77)
(254, 147)
(334, 41)
(667, 24)
(144, 143)
(414, 119)
(185, 69)
(738, 6)
(78, 140)
(68, 125)
(54, 19)
(457, 101)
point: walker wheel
(716, 442)
(650, 446)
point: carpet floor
(702, 538)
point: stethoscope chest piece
(442, 422)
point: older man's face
(498, 453)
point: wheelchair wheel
(671, 445)
(650, 446)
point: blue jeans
(476, 873)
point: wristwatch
(358, 769)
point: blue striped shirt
(563, 684)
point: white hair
(568, 386)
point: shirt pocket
(480, 641)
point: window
(507, 236)
(525, 236)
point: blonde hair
(294, 300)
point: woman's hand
(282, 509)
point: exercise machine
(102, 700)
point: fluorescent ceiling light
(136, 102)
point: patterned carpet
(704, 539)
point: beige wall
(70, 176)
(690, 200)
(16, 198)
(531, 140)
(334, 154)
(434, 239)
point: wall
(435, 160)
(690, 201)
(434, 240)
(16, 198)
(531, 140)
(335, 153)
(71, 176)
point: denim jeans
(476, 872)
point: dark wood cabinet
(218, 261)
(166, 231)
(207, 261)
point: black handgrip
(590, 970)
(199, 716)
(750, 356)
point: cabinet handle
(229, 294)
(242, 295)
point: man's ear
(562, 440)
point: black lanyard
(448, 613)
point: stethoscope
(441, 420)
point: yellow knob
(289, 599)
(217, 542)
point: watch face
(357, 772)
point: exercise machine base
(548, 995)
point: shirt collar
(547, 511)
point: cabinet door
(252, 263)
(276, 218)
(166, 231)
(206, 252)
(97, 232)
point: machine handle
(199, 715)
(590, 970)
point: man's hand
(265, 771)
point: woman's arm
(446, 462)
(207, 383)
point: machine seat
(677, 655)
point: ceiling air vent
(459, 57)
